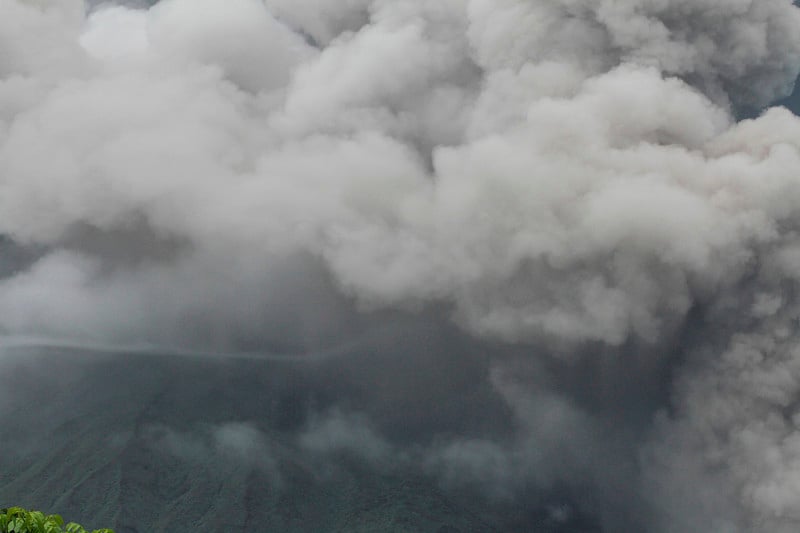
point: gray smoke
(563, 180)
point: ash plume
(563, 186)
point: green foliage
(18, 520)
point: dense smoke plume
(562, 185)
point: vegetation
(18, 520)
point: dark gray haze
(524, 253)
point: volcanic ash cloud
(556, 174)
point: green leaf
(18, 520)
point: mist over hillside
(401, 265)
